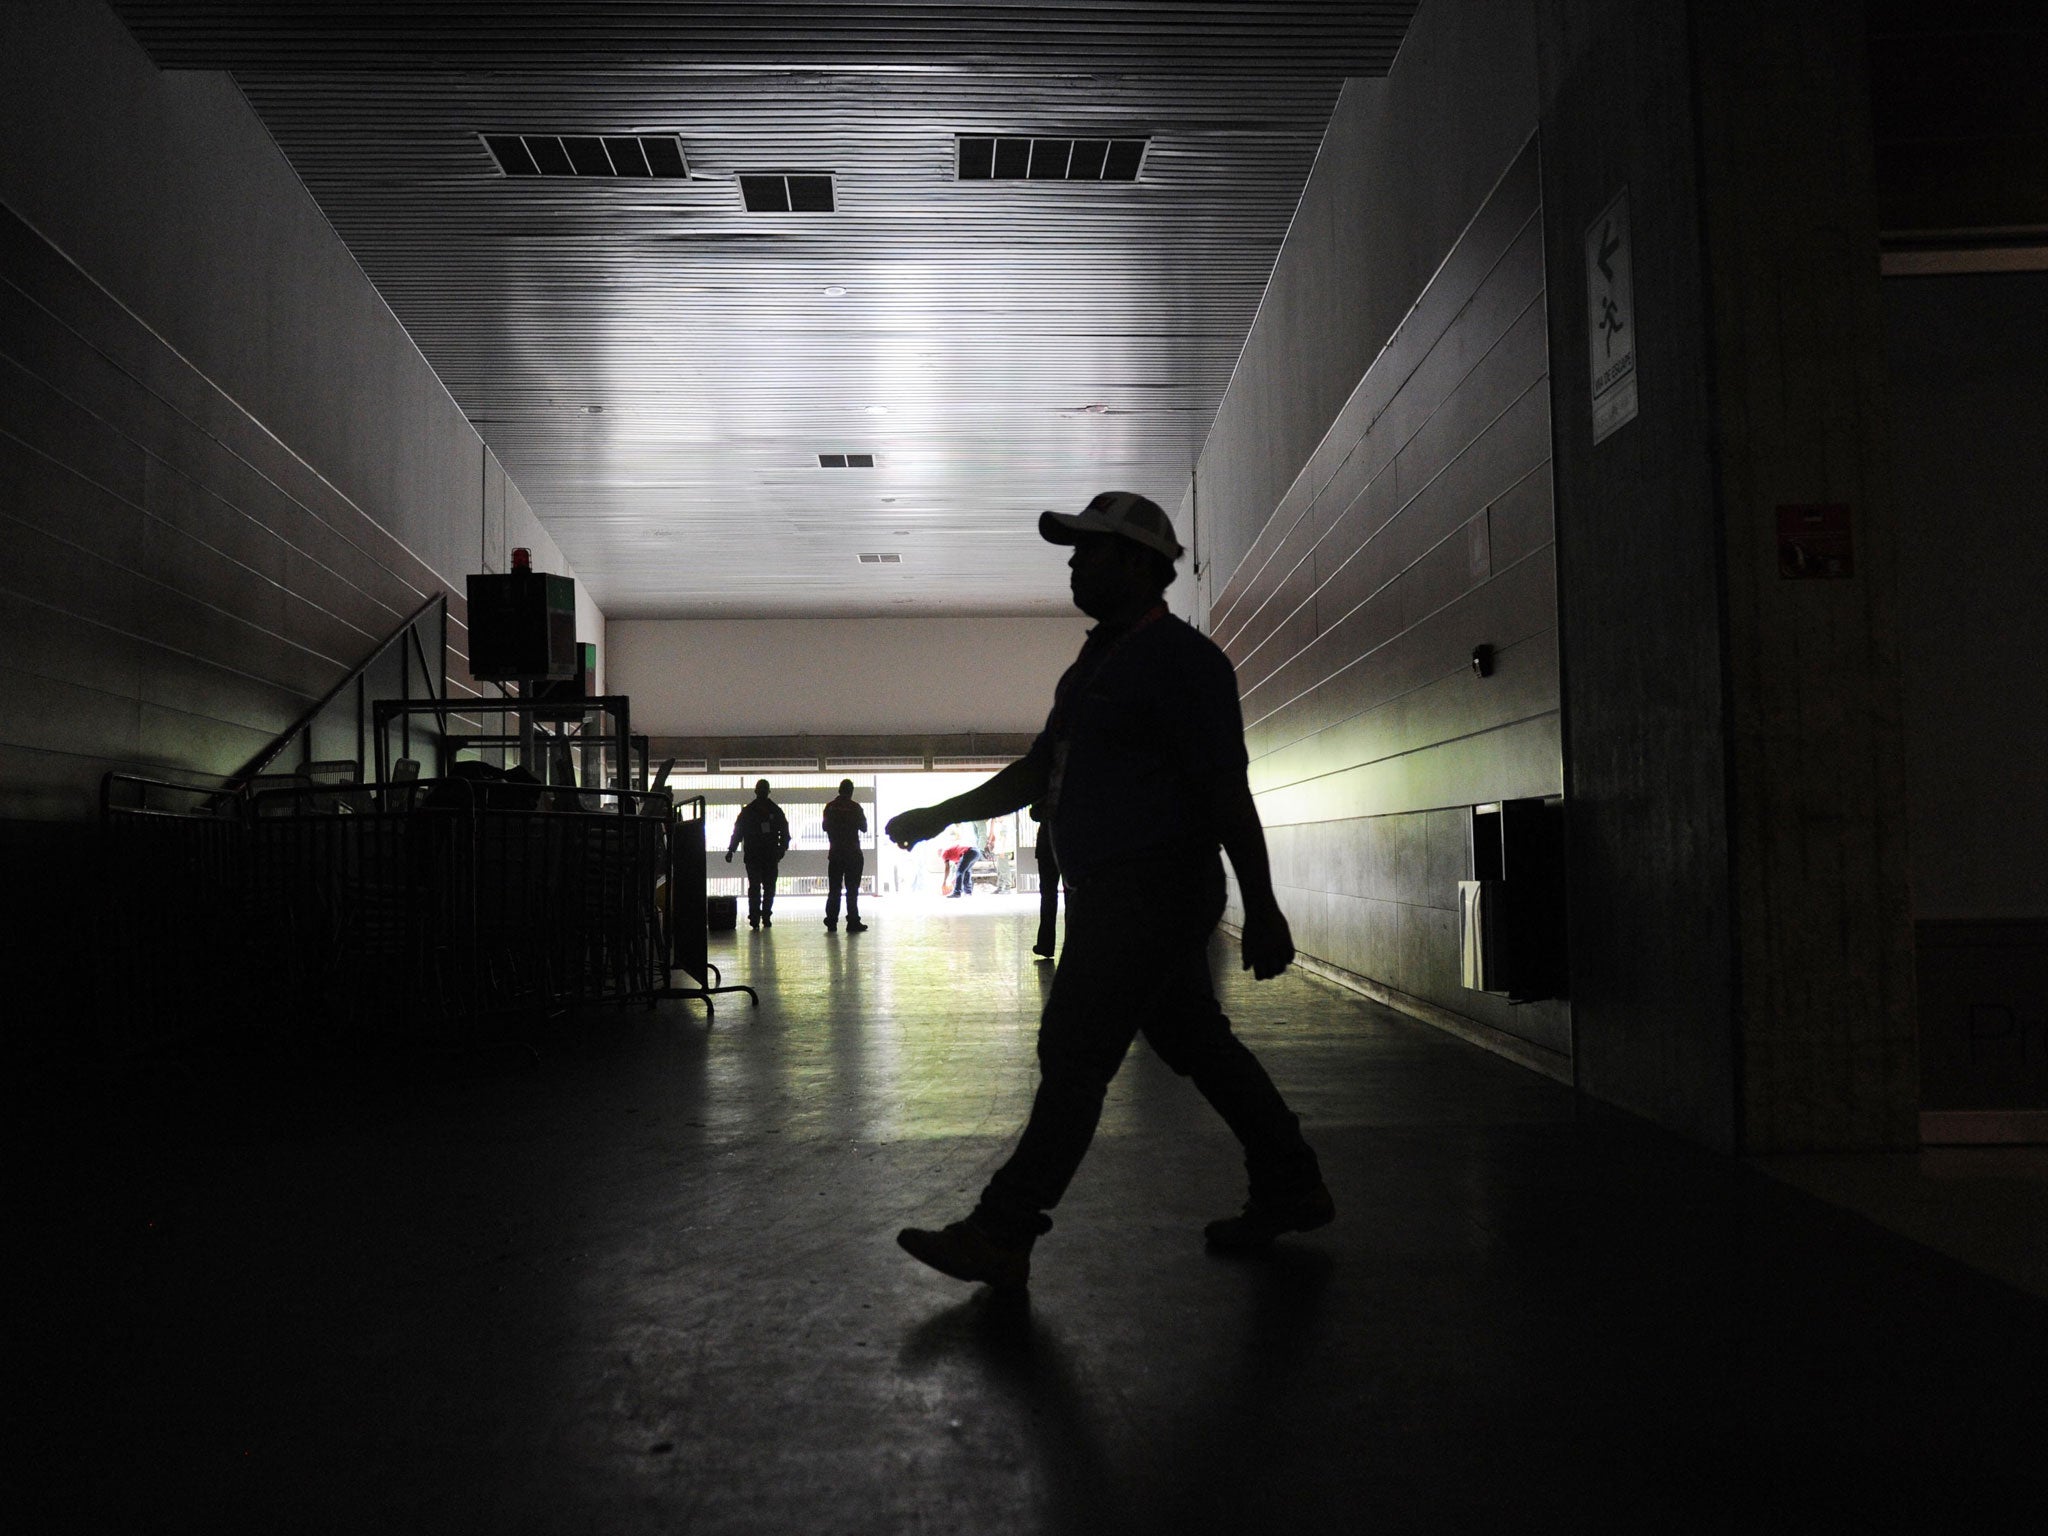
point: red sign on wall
(1814, 542)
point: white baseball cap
(1120, 512)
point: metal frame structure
(402, 906)
(530, 713)
(688, 926)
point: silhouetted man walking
(844, 822)
(764, 831)
(1140, 772)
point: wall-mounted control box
(522, 625)
(1511, 913)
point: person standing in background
(1048, 887)
(764, 831)
(844, 821)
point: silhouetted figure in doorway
(845, 821)
(1141, 773)
(1048, 861)
(762, 831)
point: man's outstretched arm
(1011, 790)
(1268, 942)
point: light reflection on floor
(921, 1027)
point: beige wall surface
(783, 677)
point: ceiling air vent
(776, 192)
(846, 461)
(881, 559)
(608, 157)
(1033, 159)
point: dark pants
(843, 869)
(963, 874)
(1136, 960)
(1048, 895)
(761, 888)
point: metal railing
(405, 908)
(357, 678)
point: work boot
(1264, 1219)
(833, 927)
(855, 925)
(963, 1251)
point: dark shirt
(844, 823)
(764, 829)
(1145, 727)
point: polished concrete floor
(641, 1277)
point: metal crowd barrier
(401, 906)
(172, 885)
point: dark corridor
(647, 1284)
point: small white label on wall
(1611, 318)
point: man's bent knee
(1078, 1067)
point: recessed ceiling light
(878, 410)
(835, 292)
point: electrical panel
(521, 626)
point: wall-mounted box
(522, 625)
(579, 686)
(1511, 915)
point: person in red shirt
(959, 868)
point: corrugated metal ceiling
(660, 370)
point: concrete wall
(840, 677)
(1741, 962)
(1825, 1015)
(1374, 501)
(1405, 162)
(228, 471)
(1969, 372)
(1653, 984)
(1730, 739)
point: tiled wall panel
(176, 586)
(1405, 162)
(1419, 529)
